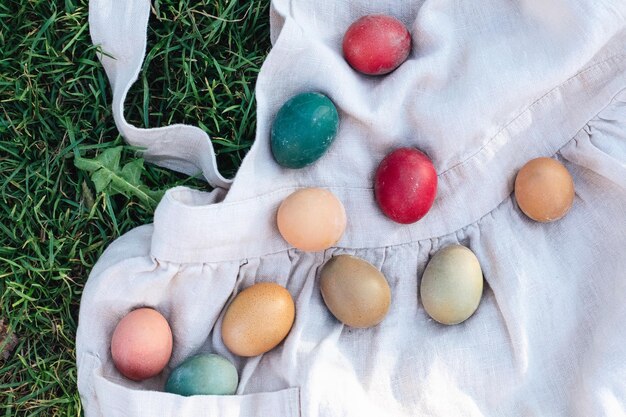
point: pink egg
(141, 345)
(405, 185)
(376, 44)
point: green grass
(203, 59)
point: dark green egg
(203, 374)
(304, 129)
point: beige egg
(452, 285)
(258, 319)
(311, 219)
(354, 291)
(544, 190)
(141, 345)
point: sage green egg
(452, 285)
(203, 374)
(355, 291)
(303, 130)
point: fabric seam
(574, 138)
(618, 57)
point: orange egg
(141, 345)
(258, 319)
(544, 190)
(311, 219)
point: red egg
(141, 345)
(405, 185)
(376, 44)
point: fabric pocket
(115, 399)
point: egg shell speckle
(311, 219)
(303, 130)
(376, 44)
(141, 345)
(544, 190)
(452, 285)
(355, 292)
(203, 374)
(258, 319)
(405, 185)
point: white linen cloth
(488, 86)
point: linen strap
(119, 27)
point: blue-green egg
(203, 374)
(303, 130)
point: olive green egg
(452, 285)
(203, 374)
(303, 130)
(354, 291)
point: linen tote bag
(488, 86)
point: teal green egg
(303, 130)
(203, 374)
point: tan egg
(258, 319)
(544, 190)
(452, 285)
(311, 219)
(141, 345)
(355, 291)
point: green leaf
(110, 158)
(86, 164)
(132, 171)
(153, 194)
(101, 178)
(111, 180)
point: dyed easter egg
(376, 44)
(544, 190)
(141, 345)
(452, 285)
(311, 219)
(405, 185)
(303, 130)
(203, 374)
(258, 319)
(354, 291)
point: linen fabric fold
(488, 86)
(118, 27)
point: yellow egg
(452, 285)
(258, 319)
(355, 291)
(311, 219)
(544, 190)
